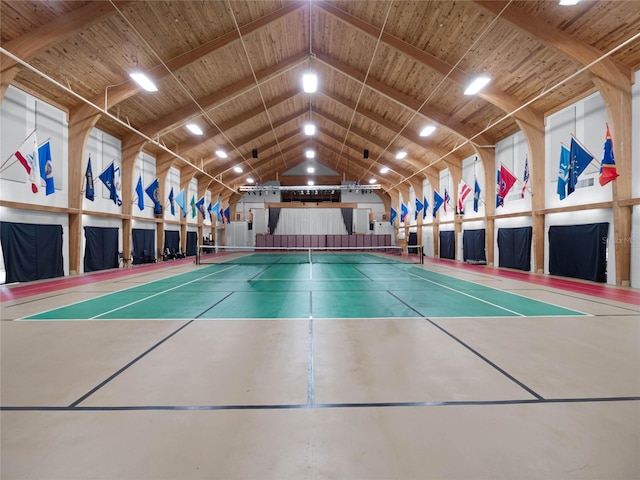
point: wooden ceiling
(385, 69)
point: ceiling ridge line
(442, 80)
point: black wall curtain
(448, 245)
(514, 248)
(192, 243)
(347, 218)
(274, 216)
(31, 251)
(143, 240)
(579, 251)
(413, 240)
(171, 241)
(473, 246)
(101, 248)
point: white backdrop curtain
(311, 221)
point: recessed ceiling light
(384, 169)
(565, 3)
(309, 129)
(372, 181)
(144, 81)
(401, 154)
(310, 82)
(310, 183)
(193, 128)
(237, 169)
(476, 85)
(221, 153)
(310, 153)
(249, 180)
(310, 169)
(428, 130)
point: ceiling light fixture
(237, 169)
(193, 128)
(309, 129)
(310, 82)
(566, 3)
(476, 85)
(310, 154)
(144, 81)
(221, 153)
(310, 183)
(428, 130)
(310, 169)
(372, 181)
(249, 180)
(401, 154)
(384, 169)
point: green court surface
(324, 290)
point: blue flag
(437, 202)
(419, 207)
(227, 214)
(563, 171)
(200, 207)
(578, 161)
(140, 194)
(153, 190)
(608, 170)
(181, 201)
(216, 211)
(424, 210)
(209, 207)
(172, 203)
(89, 191)
(499, 199)
(46, 167)
(108, 178)
(476, 195)
(393, 216)
(447, 199)
(403, 212)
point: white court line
(159, 293)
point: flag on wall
(563, 171)
(193, 206)
(200, 207)
(404, 210)
(172, 203)
(499, 199)
(209, 207)
(89, 192)
(216, 211)
(579, 159)
(463, 191)
(476, 195)
(140, 193)
(153, 190)
(108, 178)
(424, 210)
(27, 155)
(447, 199)
(419, 207)
(46, 167)
(608, 170)
(525, 177)
(181, 201)
(437, 201)
(507, 180)
(227, 214)
(393, 215)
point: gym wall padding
(473, 246)
(101, 248)
(448, 245)
(514, 248)
(579, 251)
(31, 251)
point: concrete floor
(384, 398)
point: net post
(197, 254)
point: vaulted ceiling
(386, 69)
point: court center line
(158, 293)
(468, 295)
(143, 354)
(310, 382)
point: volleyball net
(209, 254)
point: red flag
(608, 170)
(507, 180)
(463, 191)
(29, 160)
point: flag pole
(2, 169)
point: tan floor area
(396, 398)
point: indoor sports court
(266, 356)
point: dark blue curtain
(144, 245)
(579, 251)
(192, 243)
(448, 245)
(101, 248)
(473, 247)
(412, 243)
(31, 251)
(172, 241)
(514, 248)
